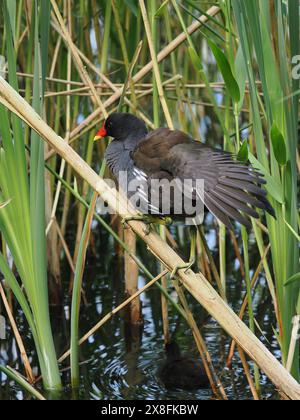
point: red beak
(101, 133)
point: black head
(173, 350)
(122, 126)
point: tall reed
(275, 138)
(22, 221)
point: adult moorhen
(181, 370)
(232, 190)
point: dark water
(119, 362)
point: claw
(127, 219)
(138, 218)
(147, 229)
(185, 267)
(148, 220)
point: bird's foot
(185, 267)
(138, 218)
(164, 221)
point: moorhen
(232, 190)
(182, 371)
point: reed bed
(66, 65)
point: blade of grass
(22, 220)
(15, 376)
(77, 293)
(17, 335)
(274, 74)
(155, 65)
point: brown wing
(148, 164)
(231, 190)
(151, 152)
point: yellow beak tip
(97, 138)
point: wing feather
(232, 190)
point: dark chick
(181, 370)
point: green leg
(187, 266)
(140, 218)
(148, 220)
